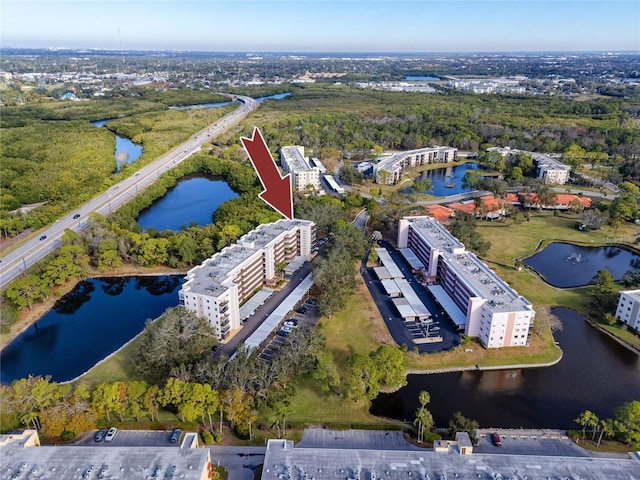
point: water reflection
(73, 301)
(95, 319)
(596, 373)
(447, 180)
(567, 265)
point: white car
(111, 434)
(289, 324)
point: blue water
(193, 200)
(201, 105)
(126, 150)
(92, 321)
(441, 177)
(567, 265)
(277, 96)
(421, 79)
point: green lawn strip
(619, 331)
(118, 367)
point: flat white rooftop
(208, 277)
(294, 158)
(124, 463)
(388, 263)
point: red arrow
(277, 189)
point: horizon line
(312, 52)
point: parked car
(100, 434)
(76, 216)
(301, 310)
(111, 434)
(291, 324)
(495, 438)
(283, 332)
(312, 301)
(175, 435)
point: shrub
(207, 437)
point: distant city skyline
(417, 26)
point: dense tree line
(357, 121)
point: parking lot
(528, 442)
(132, 438)
(421, 330)
(304, 314)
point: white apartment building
(495, 313)
(628, 309)
(550, 170)
(215, 289)
(389, 170)
(303, 173)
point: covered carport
(457, 316)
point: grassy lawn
(116, 368)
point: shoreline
(486, 368)
(27, 317)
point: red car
(495, 438)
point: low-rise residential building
(389, 170)
(326, 454)
(549, 169)
(304, 173)
(23, 457)
(628, 308)
(493, 311)
(215, 289)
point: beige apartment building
(304, 175)
(490, 309)
(389, 170)
(217, 288)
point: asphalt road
(34, 249)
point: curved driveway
(34, 249)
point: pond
(126, 151)
(194, 199)
(447, 180)
(596, 373)
(566, 265)
(89, 323)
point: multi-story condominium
(304, 175)
(215, 289)
(389, 170)
(550, 170)
(495, 313)
(628, 309)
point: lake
(596, 373)
(89, 323)
(443, 176)
(566, 265)
(194, 199)
(126, 151)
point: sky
(422, 26)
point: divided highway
(36, 249)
